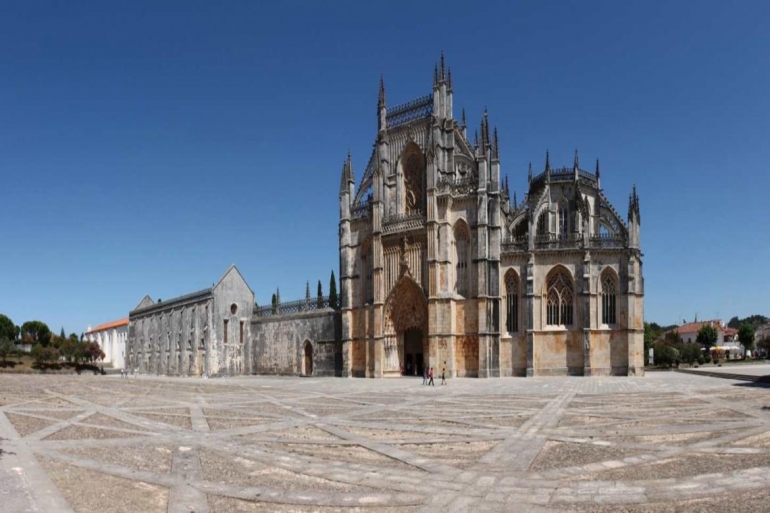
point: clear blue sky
(145, 146)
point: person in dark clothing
(430, 377)
(443, 374)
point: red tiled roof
(694, 327)
(108, 325)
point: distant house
(727, 338)
(689, 332)
(111, 337)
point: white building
(111, 337)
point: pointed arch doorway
(406, 314)
(413, 352)
(308, 357)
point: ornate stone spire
(449, 79)
(529, 173)
(443, 74)
(633, 206)
(496, 147)
(463, 124)
(598, 175)
(381, 100)
(435, 75)
(576, 164)
(515, 202)
(476, 138)
(347, 174)
(547, 166)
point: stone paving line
(518, 423)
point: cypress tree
(320, 295)
(332, 291)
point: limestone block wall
(278, 343)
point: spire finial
(529, 173)
(576, 164)
(547, 161)
(435, 75)
(449, 78)
(496, 147)
(442, 76)
(464, 124)
(476, 138)
(597, 169)
(381, 100)
(514, 200)
(506, 185)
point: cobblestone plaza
(667, 442)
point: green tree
(707, 336)
(36, 332)
(689, 353)
(746, 336)
(7, 328)
(320, 295)
(37, 353)
(672, 338)
(6, 348)
(274, 303)
(665, 355)
(332, 291)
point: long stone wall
(280, 344)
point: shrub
(701, 360)
(665, 355)
(690, 353)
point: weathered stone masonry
(440, 266)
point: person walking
(443, 374)
(430, 377)
(424, 375)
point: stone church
(439, 267)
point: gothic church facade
(439, 266)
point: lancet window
(563, 219)
(511, 303)
(413, 177)
(542, 223)
(559, 300)
(609, 298)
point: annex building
(439, 266)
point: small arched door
(308, 359)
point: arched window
(462, 256)
(511, 303)
(563, 219)
(609, 298)
(542, 223)
(559, 299)
(413, 179)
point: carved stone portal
(406, 308)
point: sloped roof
(109, 325)
(694, 327)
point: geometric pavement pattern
(665, 442)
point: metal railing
(293, 307)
